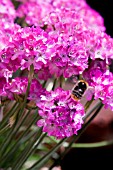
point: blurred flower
(55, 168)
(7, 11)
(40, 9)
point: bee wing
(89, 93)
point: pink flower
(61, 117)
(27, 46)
(37, 15)
(104, 89)
(95, 70)
(36, 91)
(43, 73)
(16, 86)
(7, 11)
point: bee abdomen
(77, 94)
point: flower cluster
(102, 82)
(95, 70)
(42, 9)
(104, 89)
(7, 11)
(7, 30)
(61, 116)
(59, 39)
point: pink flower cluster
(42, 9)
(60, 117)
(60, 39)
(101, 80)
(7, 11)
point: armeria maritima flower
(7, 11)
(40, 9)
(104, 89)
(61, 115)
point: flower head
(7, 11)
(95, 70)
(104, 89)
(61, 117)
(39, 13)
(26, 46)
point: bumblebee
(79, 90)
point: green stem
(15, 145)
(9, 114)
(29, 135)
(8, 136)
(54, 84)
(11, 135)
(46, 157)
(30, 76)
(25, 153)
(93, 145)
(30, 152)
(88, 104)
(44, 83)
(88, 113)
(61, 80)
(3, 130)
(19, 114)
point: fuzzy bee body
(79, 90)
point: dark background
(97, 157)
(105, 8)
